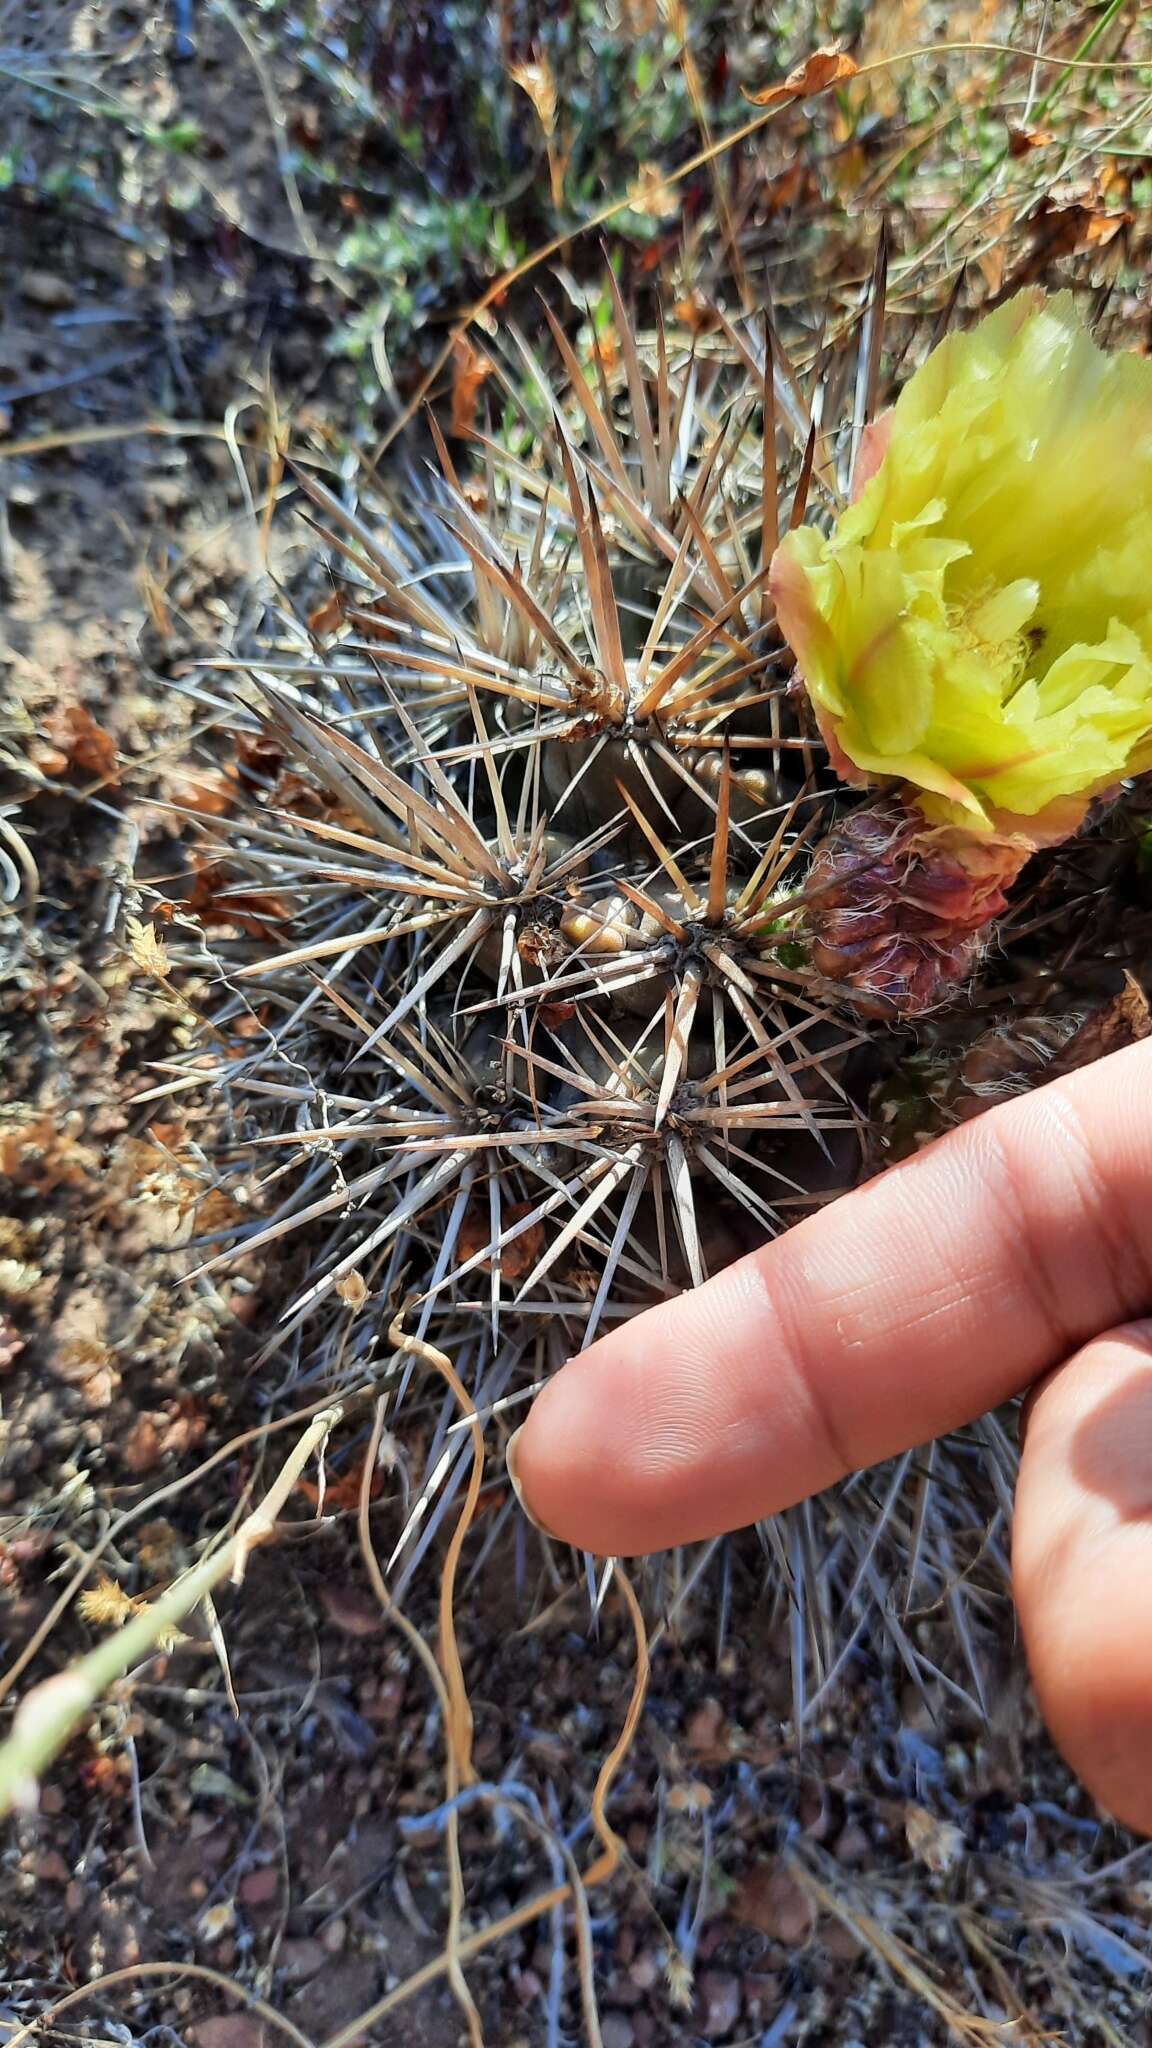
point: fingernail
(518, 1490)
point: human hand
(1015, 1250)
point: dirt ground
(276, 1816)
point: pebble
(617, 2031)
(852, 1846)
(719, 1996)
(259, 1887)
(52, 1869)
(299, 1960)
(43, 288)
(230, 2030)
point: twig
(51, 1711)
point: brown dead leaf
(517, 1258)
(327, 617)
(471, 369)
(697, 314)
(776, 1904)
(825, 68)
(140, 1450)
(343, 1494)
(258, 758)
(171, 1136)
(209, 795)
(44, 1153)
(217, 1210)
(185, 1427)
(1022, 141)
(254, 911)
(83, 746)
(1123, 1021)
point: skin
(1014, 1253)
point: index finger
(901, 1311)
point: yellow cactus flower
(978, 624)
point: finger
(1082, 1565)
(901, 1311)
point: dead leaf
(141, 1447)
(1123, 1021)
(216, 903)
(518, 1258)
(825, 68)
(343, 1494)
(353, 1290)
(471, 370)
(697, 314)
(210, 795)
(771, 1900)
(84, 746)
(258, 758)
(1022, 141)
(185, 1427)
(538, 81)
(327, 617)
(216, 1210)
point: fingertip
(1082, 1565)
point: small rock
(259, 1887)
(719, 1996)
(616, 2030)
(839, 1941)
(852, 1846)
(51, 1868)
(299, 1960)
(334, 1936)
(645, 1971)
(230, 2030)
(353, 1612)
(43, 288)
(702, 1728)
(140, 1449)
(51, 1797)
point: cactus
(596, 961)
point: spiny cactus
(595, 968)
